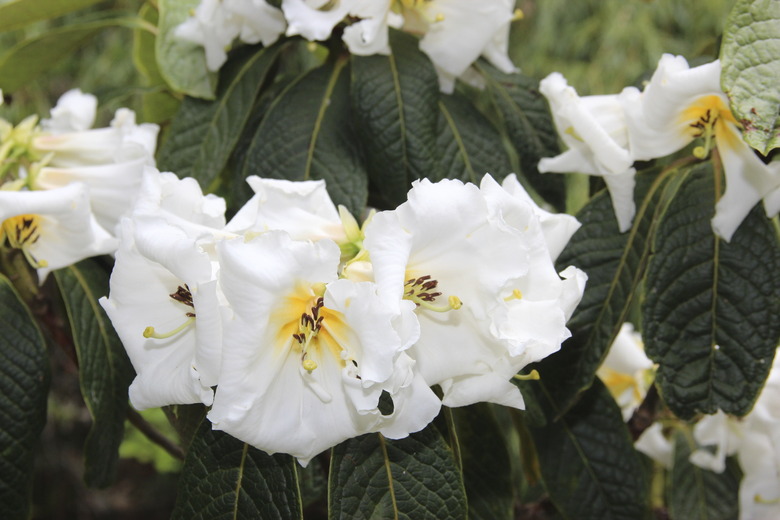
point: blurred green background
(599, 45)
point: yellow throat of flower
(21, 232)
(708, 117)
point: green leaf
(15, 14)
(587, 458)
(144, 57)
(24, 384)
(224, 478)
(181, 63)
(615, 263)
(394, 100)
(29, 58)
(415, 478)
(487, 471)
(694, 493)
(469, 146)
(104, 369)
(203, 133)
(712, 310)
(750, 55)
(528, 123)
(307, 134)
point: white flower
(315, 19)
(489, 300)
(655, 445)
(369, 34)
(718, 431)
(110, 161)
(214, 27)
(306, 356)
(626, 371)
(260, 21)
(595, 132)
(759, 491)
(163, 297)
(681, 104)
(53, 228)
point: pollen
(423, 291)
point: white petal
(719, 431)
(653, 444)
(74, 112)
(260, 22)
(305, 18)
(621, 192)
(369, 35)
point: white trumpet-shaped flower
(110, 161)
(626, 371)
(306, 356)
(163, 297)
(477, 266)
(595, 132)
(681, 104)
(53, 228)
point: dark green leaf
(750, 55)
(527, 120)
(615, 263)
(15, 14)
(224, 478)
(26, 60)
(469, 146)
(487, 471)
(181, 63)
(415, 478)
(24, 384)
(104, 369)
(307, 134)
(587, 459)
(394, 98)
(203, 133)
(712, 311)
(694, 493)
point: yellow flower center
(708, 116)
(22, 231)
(423, 291)
(618, 383)
(309, 328)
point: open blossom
(307, 356)
(681, 104)
(594, 130)
(476, 264)
(626, 371)
(110, 161)
(216, 23)
(163, 297)
(53, 228)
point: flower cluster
(606, 134)
(454, 33)
(302, 329)
(64, 186)
(754, 439)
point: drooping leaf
(394, 101)
(144, 57)
(413, 478)
(15, 14)
(486, 466)
(29, 58)
(181, 63)
(469, 146)
(24, 384)
(587, 458)
(307, 134)
(615, 263)
(712, 310)
(694, 493)
(224, 478)
(528, 123)
(203, 133)
(750, 55)
(105, 371)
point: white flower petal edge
(595, 131)
(314, 19)
(307, 357)
(212, 27)
(260, 21)
(74, 112)
(625, 370)
(477, 283)
(163, 305)
(302, 209)
(56, 227)
(655, 445)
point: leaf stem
(154, 435)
